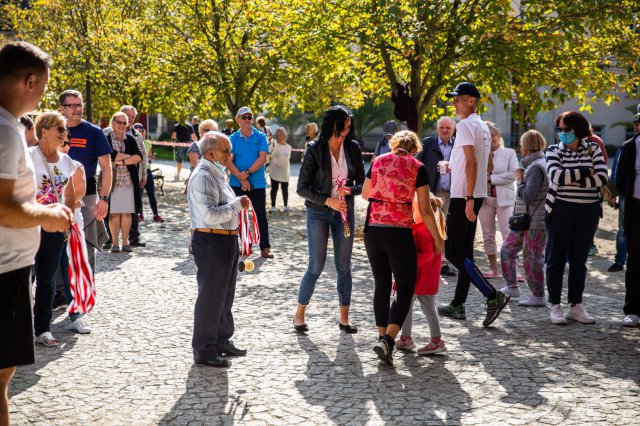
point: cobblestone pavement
(136, 366)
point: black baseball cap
(464, 88)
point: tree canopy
(212, 56)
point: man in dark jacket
(435, 149)
(628, 184)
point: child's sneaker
(405, 343)
(533, 301)
(433, 348)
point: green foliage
(209, 57)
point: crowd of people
(425, 199)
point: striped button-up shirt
(212, 202)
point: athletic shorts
(16, 318)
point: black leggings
(274, 192)
(392, 254)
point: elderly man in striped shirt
(213, 211)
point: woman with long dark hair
(332, 173)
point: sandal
(490, 274)
(47, 339)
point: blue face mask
(567, 138)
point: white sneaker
(514, 292)
(579, 313)
(557, 315)
(273, 210)
(288, 209)
(631, 320)
(533, 301)
(80, 326)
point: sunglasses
(206, 130)
(247, 117)
(60, 129)
(564, 130)
(66, 143)
(122, 123)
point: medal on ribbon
(347, 231)
(247, 238)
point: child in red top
(427, 282)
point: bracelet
(104, 198)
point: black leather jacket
(314, 182)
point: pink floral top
(394, 179)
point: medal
(247, 237)
(347, 230)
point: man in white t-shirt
(24, 72)
(468, 165)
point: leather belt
(217, 231)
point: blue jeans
(318, 224)
(621, 238)
(47, 263)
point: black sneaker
(616, 267)
(107, 246)
(137, 243)
(455, 312)
(447, 271)
(494, 307)
(384, 349)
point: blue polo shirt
(245, 152)
(88, 143)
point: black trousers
(461, 234)
(570, 231)
(274, 192)
(392, 254)
(216, 257)
(258, 199)
(632, 276)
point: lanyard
(347, 231)
(246, 236)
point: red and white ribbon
(246, 236)
(340, 182)
(82, 285)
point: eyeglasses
(62, 129)
(66, 143)
(247, 117)
(564, 130)
(74, 106)
(122, 123)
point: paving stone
(136, 367)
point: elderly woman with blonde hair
(126, 197)
(533, 184)
(54, 185)
(501, 177)
(193, 153)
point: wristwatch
(248, 172)
(468, 197)
(104, 198)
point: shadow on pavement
(205, 400)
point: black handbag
(522, 221)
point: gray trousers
(428, 305)
(216, 258)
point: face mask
(567, 138)
(220, 166)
